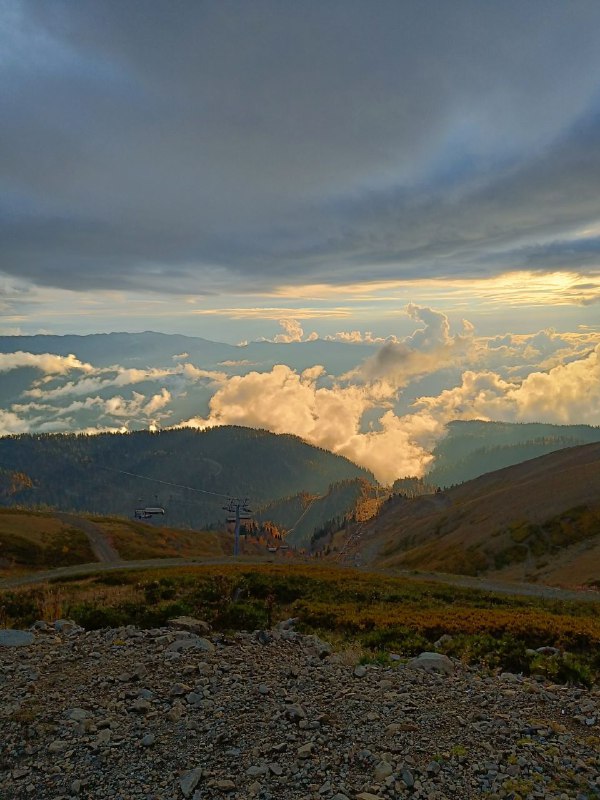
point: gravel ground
(168, 713)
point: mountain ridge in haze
(475, 447)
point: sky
(420, 177)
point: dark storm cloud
(176, 146)
(583, 253)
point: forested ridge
(88, 473)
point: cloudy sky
(212, 167)
(421, 179)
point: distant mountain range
(538, 520)
(151, 349)
(112, 474)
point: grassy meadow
(139, 540)
(374, 614)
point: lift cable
(167, 483)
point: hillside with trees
(112, 474)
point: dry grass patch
(136, 540)
(33, 541)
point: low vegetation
(378, 614)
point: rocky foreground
(180, 713)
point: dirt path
(491, 585)
(463, 581)
(101, 547)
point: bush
(93, 618)
(242, 616)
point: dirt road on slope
(101, 547)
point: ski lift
(148, 512)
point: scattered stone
(360, 670)
(274, 722)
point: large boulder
(15, 638)
(191, 624)
(432, 662)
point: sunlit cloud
(48, 363)
(363, 414)
(275, 313)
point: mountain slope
(537, 520)
(115, 473)
(302, 515)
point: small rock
(295, 713)
(255, 770)
(141, 706)
(58, 746)
(317, 645)
(408, 777)
(66, 626)
(179, 689)
(287, 624)
(305, 750)
(226, 785)
(189, 780)
(78, 714)
(148, 740)
(360, 670)
(383, 770)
